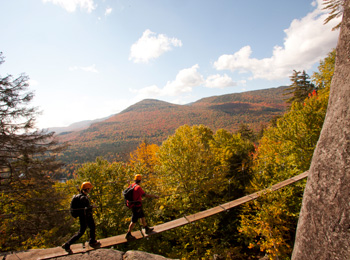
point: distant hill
(75, 126)
(154, 120)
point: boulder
(139, 255)
(111, 254)
(99, 254)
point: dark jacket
(85, 203)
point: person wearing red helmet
(136, 207)
(85, 219)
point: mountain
(154, 120)
(75, 126)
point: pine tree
(246, 132)
(300, 88)
(27, 165)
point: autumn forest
(193, 157)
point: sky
(89, 59)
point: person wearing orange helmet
(85, 218)
(136, 207)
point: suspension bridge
(49, 253)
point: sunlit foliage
(284, 151)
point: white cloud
(71, 5)
(91, 68)
(108, 11)
(151, 46)
(307, 41)
(218, 81)
(184, 82)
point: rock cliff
(323, 231)
(110, 254)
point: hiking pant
(137, 213)
(85, 221)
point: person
(85, 218)
(136, 207)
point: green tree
(199, 170)
(193, 179)
(233, 155)
(246, 132)
(28, 162)
(323, 77)
(189, 166)
(284, 151)
(300, 88)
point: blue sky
(89, 59)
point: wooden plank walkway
(50, 253)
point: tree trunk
(324, 224)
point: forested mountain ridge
(155, 120)
(271, 95)
(149, 105)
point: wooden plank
(255, 195)
(167, 226)
(205, 214)
(120, 239)
(237, 202)
(282, 184)
(170, 225)
(301, 176)
(290, 181)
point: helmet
(137, 177)
(86, 185)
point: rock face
(98, 254)
(110, 254)
(137, 255)
(324, 224)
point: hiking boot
(148, 230)
(95, 244)
(129, 236)
(66, 247)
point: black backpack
(128, 194)
(75, 206)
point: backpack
(128, 194)
(75, 206)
